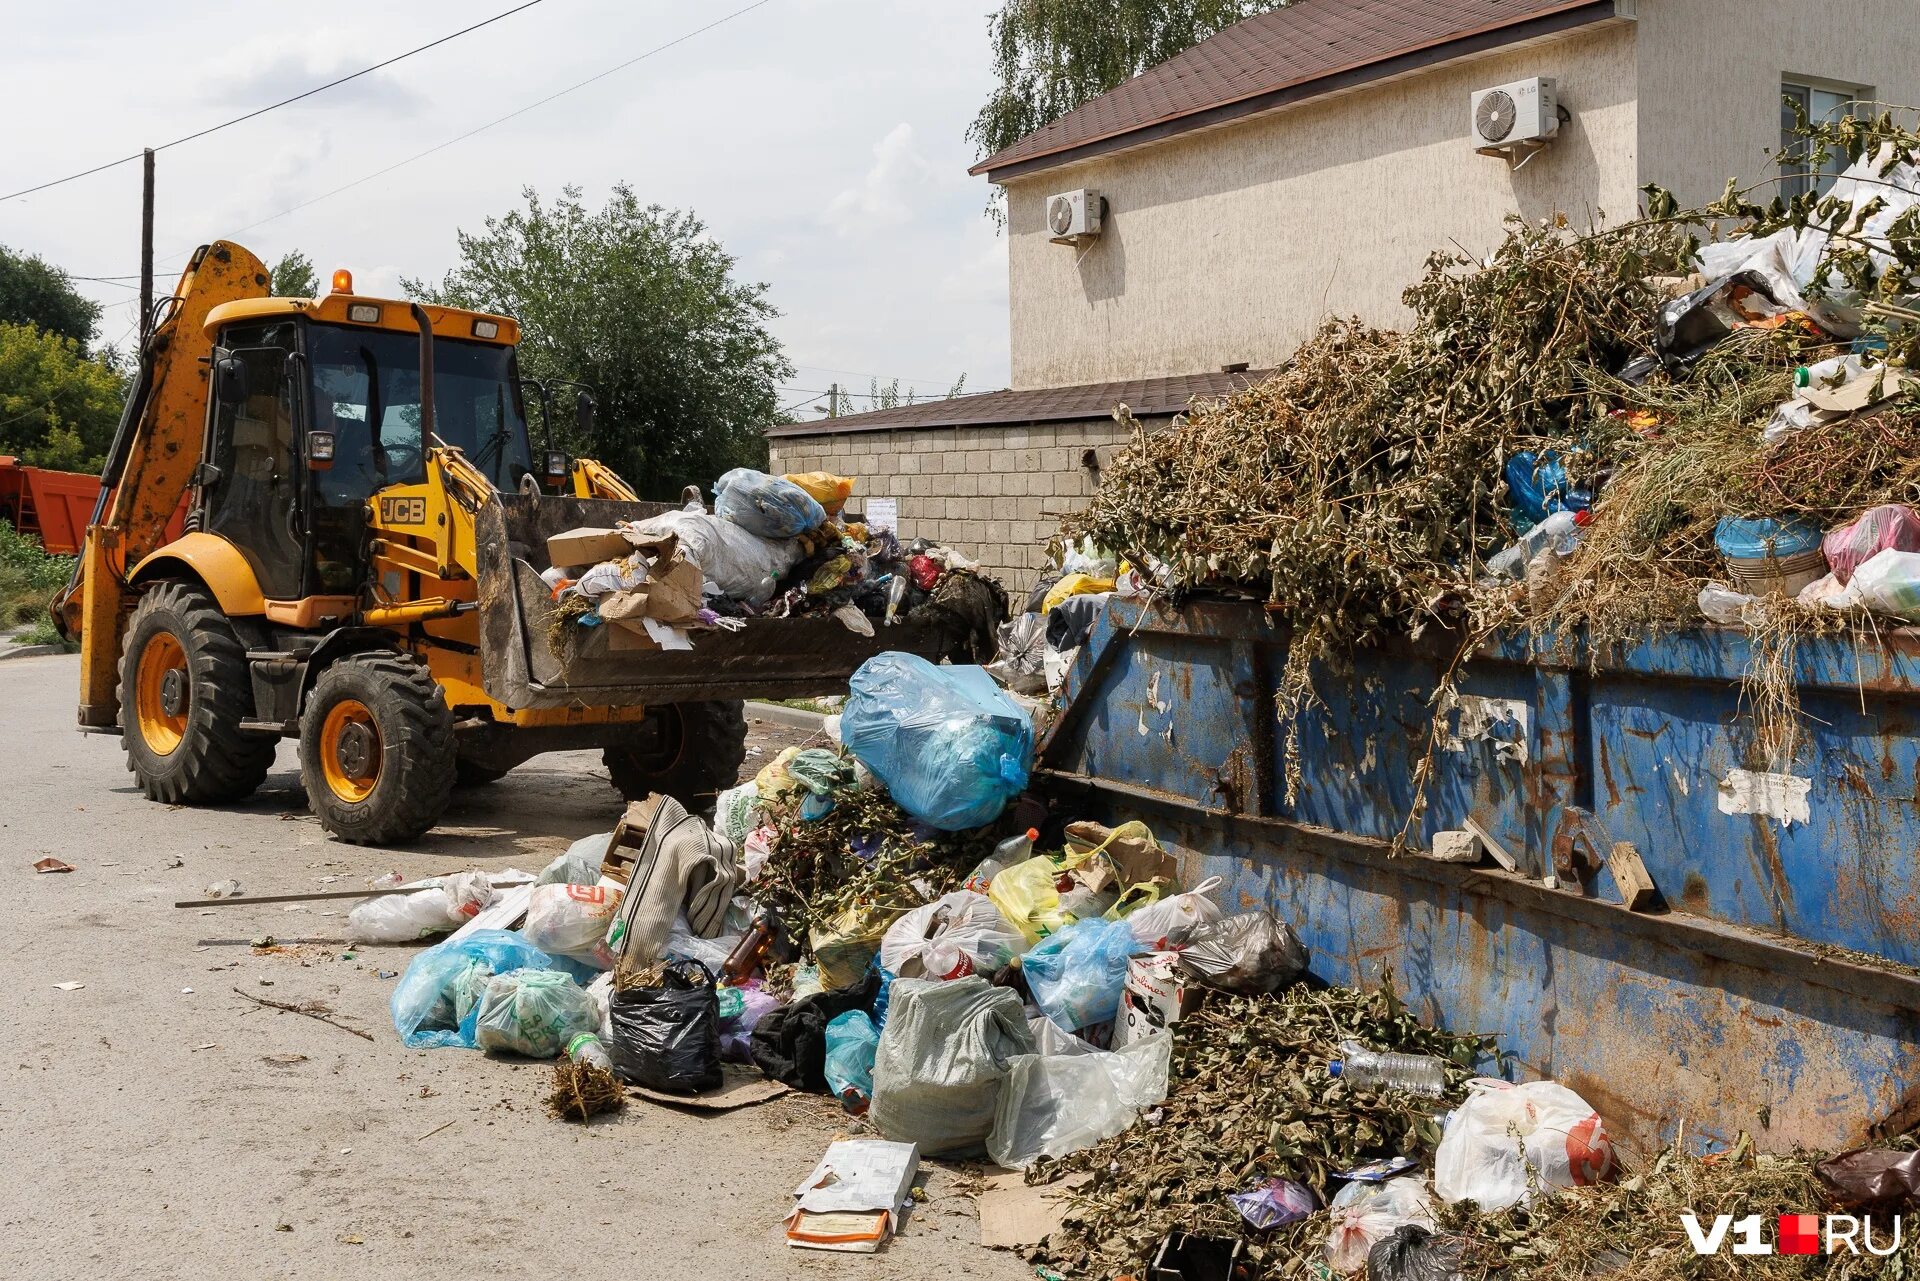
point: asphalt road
(158, 1125)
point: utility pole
(146, 247)
(833, 400)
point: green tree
(1051, 56)
(58, 407)
(641, 304)
(293, 276)
(35, 292)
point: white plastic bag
(736, 812)
(741, 565)
(403, 918)
(1889, 583)
(534, 1012)
(1506, 1141)
(580, 865)
(755, 851)
(1052, 1105)
(943, 1057)
(1171, 921)
(955, 935)
(1721, 604)
(572, 920)
(1088, 559)
(1367, 1213)
(611, 576)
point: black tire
(403, 778)
(695, 755)
(213, 760)
(468, 773)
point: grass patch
(29, 577)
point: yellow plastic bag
(773, 778)
(825, 488)
(844, 946)
(1075, 585)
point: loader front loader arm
(154, 454)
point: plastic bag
(1889, 583)
(580, 865)
(740, 565)
(825, 488)
(533, 1012)
(1721, 604)
(611, 576)
(1076, 976)
(1172, 921)
(1874, 1179)
(736, 1033)
(668, 1037)
(572, 920)
(956, 935)
(949, 744)
(1021, 663)
(1412, 1253)
(755, 851)
(766, 505)
(684, 945)
(1072, 585)
(1364, 1214)
(1089, 559)
(1890, 526)
(844, 945)
(1506, 1140)
(1250, 953)
(435, 1001)
(1274, 1204)
(1051, 1106)
(736, 812)
(405, 918)
(942, 1060)
(1028, 897)
(851, 1042)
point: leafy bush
(28, 579)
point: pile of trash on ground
(772, 547)
(1602, 434)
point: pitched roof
(1146, 397)
(1309, 48)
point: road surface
(157, 1125)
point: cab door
(252, 482)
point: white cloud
(890, 192)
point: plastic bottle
(1414, 1073)
(587, 1049)
(1833, 372)
(1017, 848)
(750, 953)
(1559, 531)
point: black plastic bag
(790, 1043)
(668, 1037)
(1251, 953)
(1871, 1179)
(1414, 1254)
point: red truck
(55, 506)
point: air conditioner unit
(1514, 118)
(1074, 216)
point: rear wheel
(693, 753)
(377, 749)
(184, 689)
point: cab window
(253, 499)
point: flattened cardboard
(585, 546)
(1014, 1216)
(740, 1087)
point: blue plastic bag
(1539, 487)
(766, 505)
(851, 1043)
(951, 747)
(437, 1001)
(1077, 974)
(1764, 538)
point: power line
(860, 373)
(261, 111)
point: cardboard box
(578, 547)
(1154, 998)
(852, 1200)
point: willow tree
(1051, 56)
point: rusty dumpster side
(1772, 989)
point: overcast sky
(820, 140)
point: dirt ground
(158, 1125)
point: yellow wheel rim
(350, 751)
(162, 694)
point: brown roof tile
(1146, 397)
(1308, 48)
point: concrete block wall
(994, 493)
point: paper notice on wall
(883, 513)
(1780, 797)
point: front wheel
(692, 752)
(377, 749)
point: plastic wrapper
(942, 1060)
(1889, 583)
(572, 920)
(1365, 1214)
(612, 576)
(950, 745)
(769, 506)
(533, 1012)
(436, 999)
(739, 564)
(1076, 976)
(825, 488)
(1021, 663)
(1274, 1204)
(1878, 1180)
(580, 865)
(406, 918)
(1051, 1106)
(1250, 953)
(1721, 604)
(755, 851)
(956, 935)
(851, 1042)
(1891, 526)
(1172, 921)
(668, 1037)
(1506, 1141)
(1412, 1253)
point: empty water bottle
(1560, 531)
(1017, 848)
(1414, 1073)
(587, 1048)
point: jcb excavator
(366, 530)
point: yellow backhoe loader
(361, 572)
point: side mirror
(230, 381)
(320, 450)
(583, 416)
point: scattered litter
(52, 865)
(70, 986)
(223, 889)
(853, 1198)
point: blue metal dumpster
(1772, 989)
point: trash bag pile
(1599, 434)
(772, 547)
